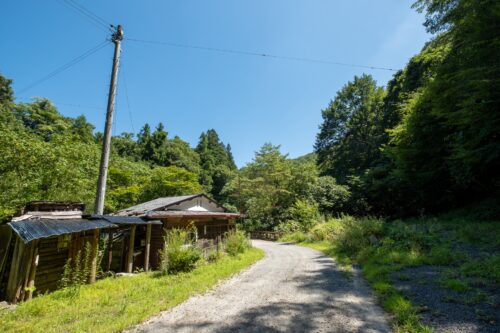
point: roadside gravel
(293, 289)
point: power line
(80, 106)
(65, 66)
(257, 54)
(93, 18)
(126, 97)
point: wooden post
(148, 247)
(15, 282)
(110, 249)
(95, 253)
(32, 274)
(130, 257)
(29, 262)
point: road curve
(292, 289)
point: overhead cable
(93, 18)
(65, 66)
(124, 79)
(257, 54)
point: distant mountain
(308, 158)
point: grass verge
(467, 248)
(113, 304)
(404, 313)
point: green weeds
(236, 242)
(113, 304)
(383, 247)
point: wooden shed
(36, 246)
(210, 219)
(128, 246)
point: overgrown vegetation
(180, 254)
(236, 242)
(76, 273)
(113, 304)
(384, 248)
(46, 156)
(428, 142)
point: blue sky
(248, 100)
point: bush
(179, 255)
(236, 242)
(288, 227)
(305, 214)
(325, 231)
(294, 237)
(355, 234)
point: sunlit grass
(113, 304)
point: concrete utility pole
(106, 144)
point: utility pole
(106, 143)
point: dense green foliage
(425, 143)
(276, 192)
(46, 156)
(430, 142)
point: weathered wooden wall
(51, 265)
(157, 242)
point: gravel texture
(293, 289)
(446, 310)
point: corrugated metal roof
(125, 219)
(31, 229)
(155, 204)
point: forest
(425, 143)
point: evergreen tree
(216, 164)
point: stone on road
(293, 289)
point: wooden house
(209, 218)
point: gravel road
(293, 289)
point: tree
(170, 181)
(349, 137)
(180, 154)
(6, 92)
(261, 189)
(216, 164)
(331, 197)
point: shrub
(305, 214)
(295, 237)
(325, 231)
(179, 254)
(355, 234)
(214, 256)
(236, 242)
(289, 227)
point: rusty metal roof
(31, 229)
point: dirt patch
(475, 309)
